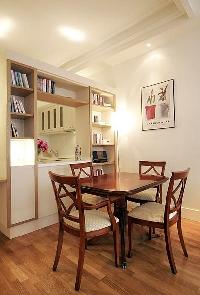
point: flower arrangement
(42, 145)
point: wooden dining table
(118, 186)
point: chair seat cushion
(91, 199)
(94, 220)
(147, 195)
(151, 211)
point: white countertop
(61, 162)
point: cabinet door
(22, 193)
(46, 199)
(69, 118)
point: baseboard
(191, 214)
(34, 225)
(4, 230)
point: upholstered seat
(91, 199)
(94, 220)
(147, 195)
(151, 211)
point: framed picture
(158, 110)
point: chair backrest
(175, 192)
(151, 168)
(82, 170)
(68, 197)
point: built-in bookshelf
(21, 100)
(21, 143)
(103, 137)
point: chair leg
(116, 244)
(86, 244)
(59, 247)
(80, 263)
(129, 238)
(169, 250)
(150, 233)
(181, 237)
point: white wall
(180, 146)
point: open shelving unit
(103, 134)
(21, 146)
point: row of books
(97, 138)
(98, 99)
(14, 131)
(16, 105)
(46, 85)
(19, 79)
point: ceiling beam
(191, 7)
(148, 27)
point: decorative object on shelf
(158, 110)
(98, 172)
(77, 153)
(46, 85)
(16, 105)
(14, 131)
(19, 79)
(98, 99)
(99, 157)
(42, 145)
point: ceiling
(111, 27)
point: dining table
(118, 186)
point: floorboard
(25, 265)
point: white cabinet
(46, 198)
(56, 118)
(22, 193)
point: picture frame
(157, 106)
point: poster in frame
(157, 103)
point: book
(25, 81)
(13, 77)
(14, 131)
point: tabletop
(123, 182)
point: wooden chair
(84, 171)
(79, 219)
(157, 215)
(151, 169)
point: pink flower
(42, 145)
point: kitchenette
(54, 119)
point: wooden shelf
(59, 99)
(101, 144)
(103, 164)
(99, 108)
(21, 116)
(21, 91)
(101, 125)
(22, 137)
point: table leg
(121, 214)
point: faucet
(54, 152)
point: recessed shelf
(101, 125)
(59, 99)
(21, 116)
(21, 91)
(101, 108)
(103, 164)
(102, 144)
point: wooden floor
(25, 265)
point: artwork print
(158, 109)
